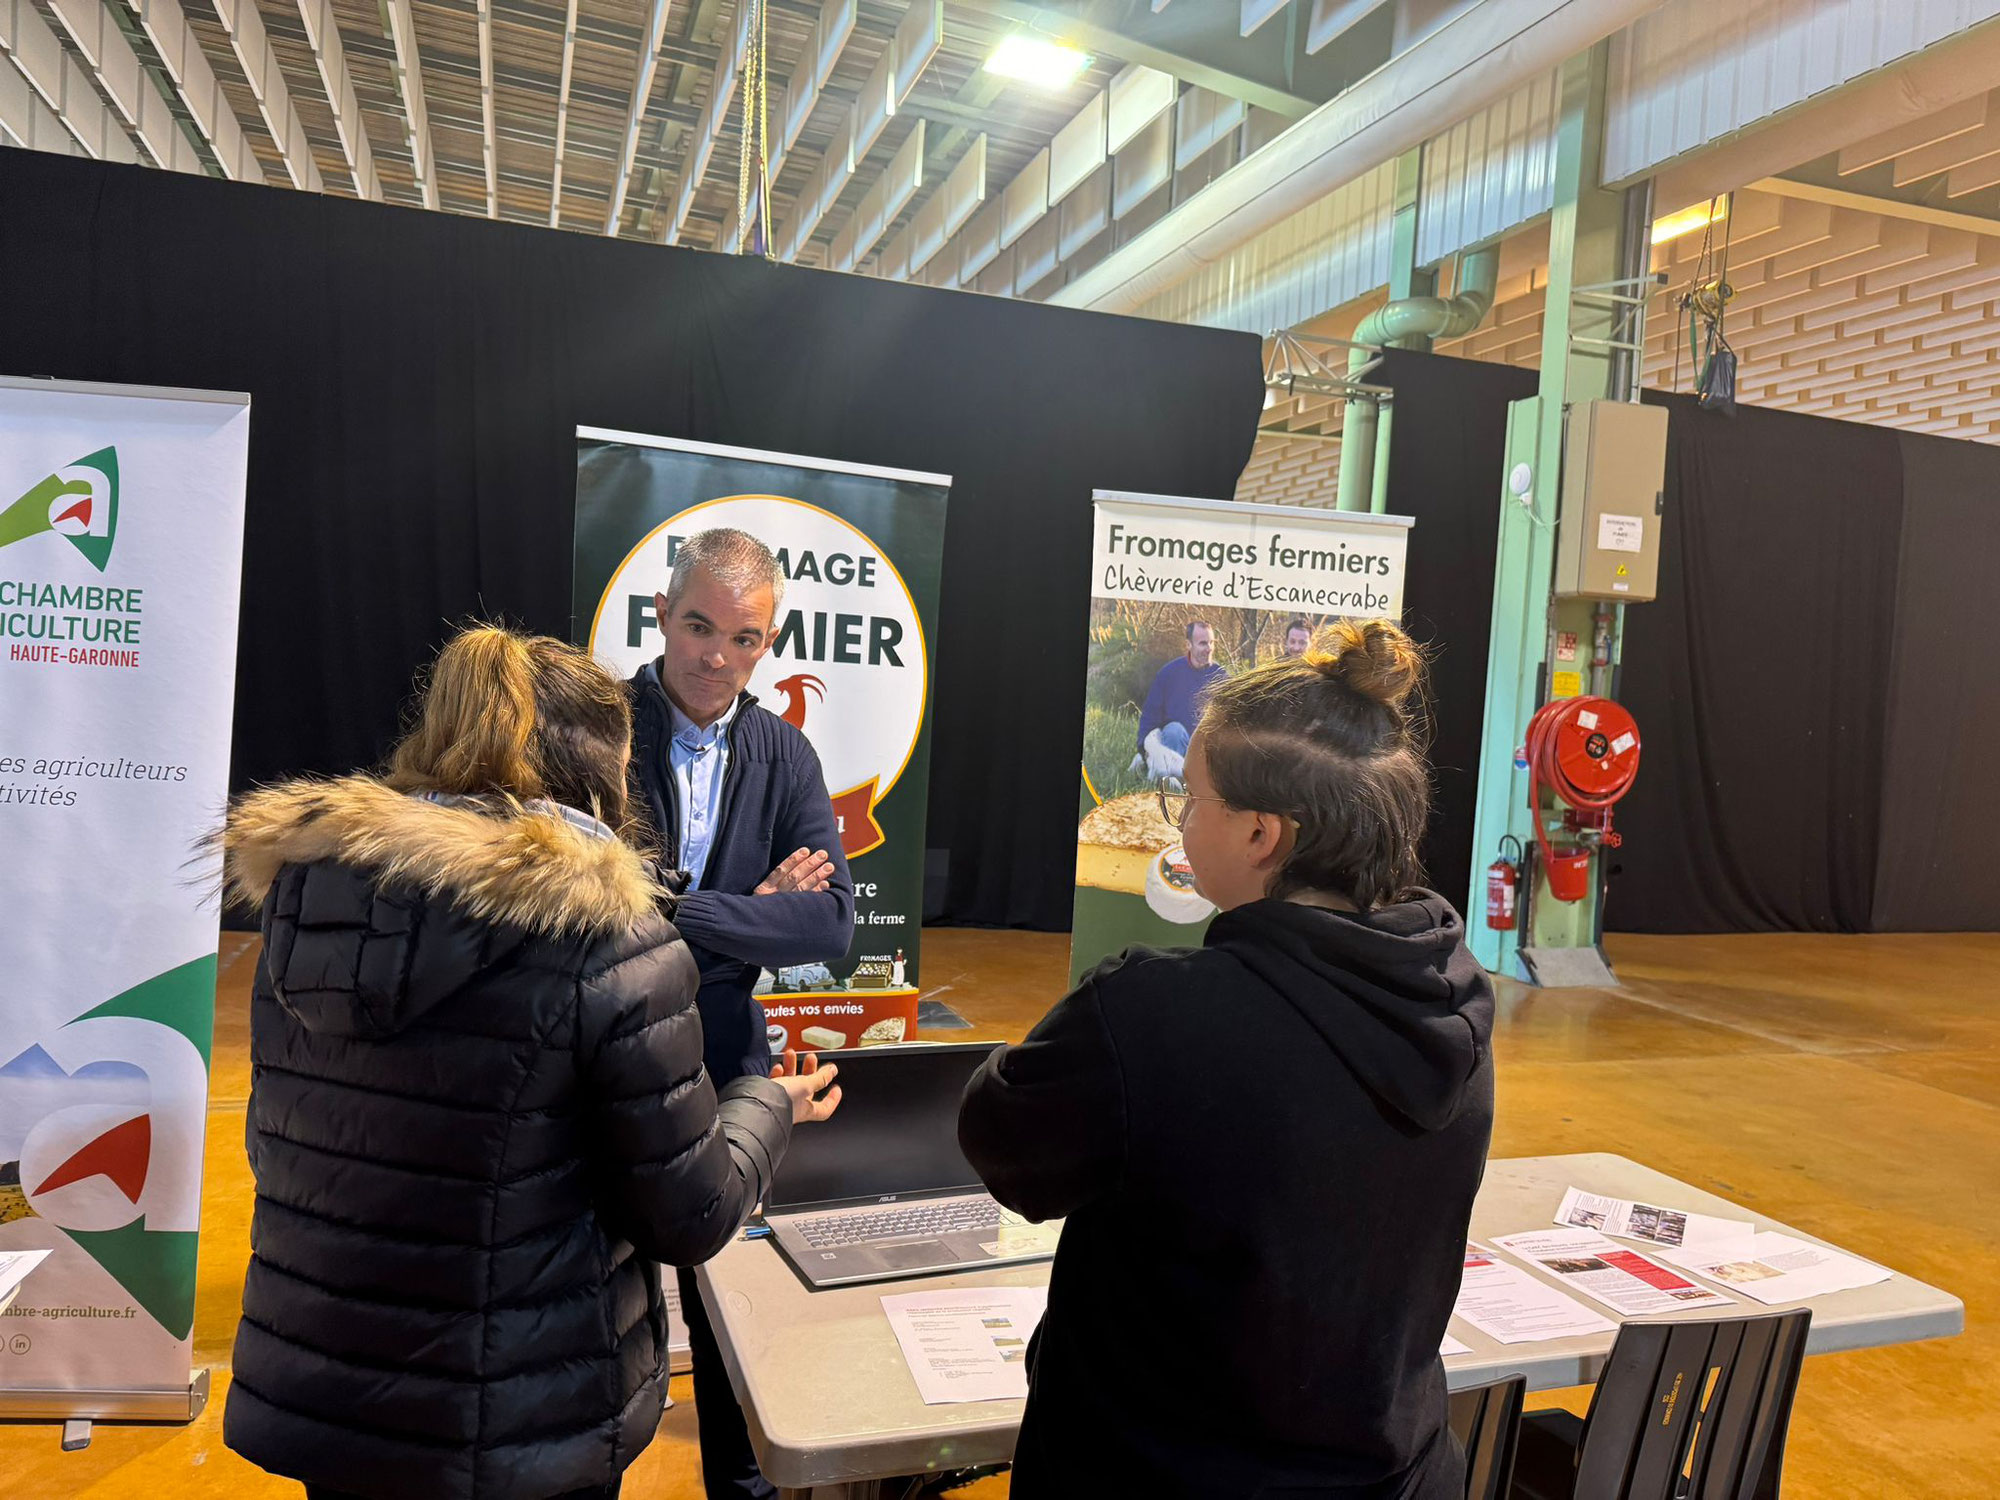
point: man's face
(1201, 646)
(1296, 641)
(714, 639)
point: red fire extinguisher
(1503, 883)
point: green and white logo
(79, 504)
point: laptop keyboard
(832, 1231)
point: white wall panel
(1143, 167)
(1327, 255)
(981, 241)
(815, 66)
(1202, 120)
(1085, 213)
(923, 238)
(1694, 70)
(964, 188)
(875, 104)
(1489, 174)
(1025, 200)
(1037, 255)
(1137, 97)
(916, 43)
(1077, 149)
(26, 121)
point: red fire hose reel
(1586, 752)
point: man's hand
(803, 1079)
(807, 870)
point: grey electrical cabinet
(1613, 491)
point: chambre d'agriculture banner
(1185, 593)
(121, 527)
(861, 548)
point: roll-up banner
(1185, 593)
(121, 538)
(861, 549)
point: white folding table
(832, 1409)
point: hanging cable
(1705, 305)
(753, 163)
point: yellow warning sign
(1566, 685)
(1623, 571)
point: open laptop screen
(896, 1130)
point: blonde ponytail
(475, 722)
(520, 716)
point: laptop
(881, 1191)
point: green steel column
(1584, 244)
(1406, 279)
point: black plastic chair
(1683, 1411)
(1487, 1422)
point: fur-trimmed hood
(520, 866)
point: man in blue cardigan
(740, 805)
(1173, 705)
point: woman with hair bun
(1267, 1147)
(478, 1116)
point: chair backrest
(1693, 1411)
(1487, 1422)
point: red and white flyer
(1631, 1284)
(1510, 1307)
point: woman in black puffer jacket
(478, 1118)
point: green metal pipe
(1363, 450)
(1357, 453)
(1378, 490)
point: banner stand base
(29, 1405)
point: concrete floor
(1850, 1086)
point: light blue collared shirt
(699, 758)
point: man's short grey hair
(731, 557)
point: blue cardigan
(774, 800)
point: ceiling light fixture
(1032, 59)
(1688, 220)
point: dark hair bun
(1373, 657)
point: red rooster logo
(796, 702)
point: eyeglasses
(1176, 800)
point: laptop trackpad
(914, 1255)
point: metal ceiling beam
(642, 89)
(677, 116)
(252, 45)
(409, 73)
(562, 115)
(491, 145)
(124, 79)
(828, 40)
(166, 27)
(1096, 36)
(1869, 203)
(721, 91)
(330, 58)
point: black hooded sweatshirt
(1266, 1149)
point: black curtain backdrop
(417, 380)
(1760, 678)
(1446, 458)
(1936, 871)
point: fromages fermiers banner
(121, 527)
(861, 548)
(1183, 594)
